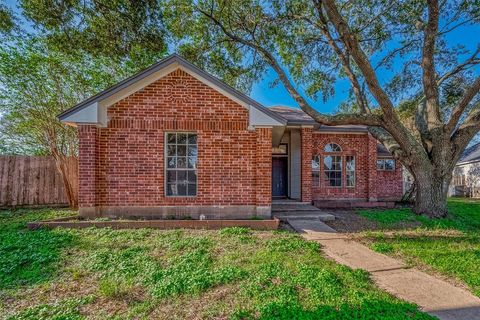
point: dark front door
(279, 176)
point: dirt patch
(64, 288)
(348, 221)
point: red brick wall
(129, 164)
(306, 167)
(88, 155)
(390, 184)
(370, 184)
(372, 176)
(263, 167)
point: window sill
(180, 196)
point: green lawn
(449, 246)
(151, 274)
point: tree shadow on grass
(29, 257)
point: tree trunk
(431, 195)
(69, 182)
(409, 195)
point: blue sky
(262, 91)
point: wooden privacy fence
(33, 181)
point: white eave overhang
(94, 110)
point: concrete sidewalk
(435, 296)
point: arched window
(332, 147)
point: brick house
(174, 140)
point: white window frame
(339, 156)
(353, 172)
(383, 167)
(166, 169)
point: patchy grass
(234, 273)
(450, 246)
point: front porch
(291, 163)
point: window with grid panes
(332, 167)
(181, 167)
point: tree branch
(465, 132)
(352, 44)
(389, 142)
(394, 52)
(362, 101)
(429, 77)
(460, 107)
(468, 63)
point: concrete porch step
(289, 207)
(316, 217)
(289, 202)
(293, 210)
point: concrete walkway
(435, 296)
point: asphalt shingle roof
(295, 116)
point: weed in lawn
(114, 287)
(382, 247)
(300, 284)
(291, 243)
(389, 218)
(243, 235)
(235, 231)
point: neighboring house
(174, 140)
(466, 175)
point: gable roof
(471, 154)
(293, 116)
(162, 64)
